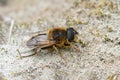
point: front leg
(73, 46)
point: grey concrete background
(98, 24)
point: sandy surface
(98, 24)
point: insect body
(54, 38)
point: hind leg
(35, 49)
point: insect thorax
(59, 35)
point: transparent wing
(40, 40)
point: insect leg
(59, 53)
(38, 49)
(73, 46)
(21, 56)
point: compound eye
(70, 34)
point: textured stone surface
(98, 24)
